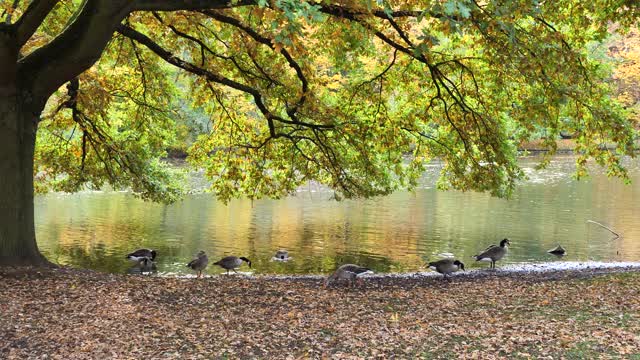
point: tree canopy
(359, 95)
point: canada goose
(137, 255)
(559, 250)
(349, 272)
(199, 263)
(494, 253)
(142, 267)
(446, 266)
(232, 262)
(281, 255)
(146, 265)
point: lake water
(396, 233)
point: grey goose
(232, 263)
(446, 266)
(349, 272)
(199, 263)
(494, 253)
(137, 255)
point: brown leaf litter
(77, 314)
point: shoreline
(65, 313)
(543, 270)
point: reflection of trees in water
(394, 233)
(96, 257)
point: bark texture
(18, 124)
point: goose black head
(459, 264)
(153, 255)
(504, 242)
(247, 260)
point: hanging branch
(613, 232)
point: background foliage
(357, 95)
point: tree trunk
(19, 115)
(18, 125)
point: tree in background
(337, 92)
(626, 51)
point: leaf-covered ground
(73, 314)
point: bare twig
(613, 232)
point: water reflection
(393, 233)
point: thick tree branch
(81, 44)
(75, 50)
(32, 18)
(174, 60)
(174, 5)
(268, 42)
(204, 49)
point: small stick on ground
(613, 232)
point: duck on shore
(199, 263)
(349, 272)
(232, 263)
(494, 252)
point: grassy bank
(72, 314)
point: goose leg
(234, 270)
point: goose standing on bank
(232, 263)
(349, 272)
(199, 263)
(494, 253)
(137, 255)
(446, 266)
